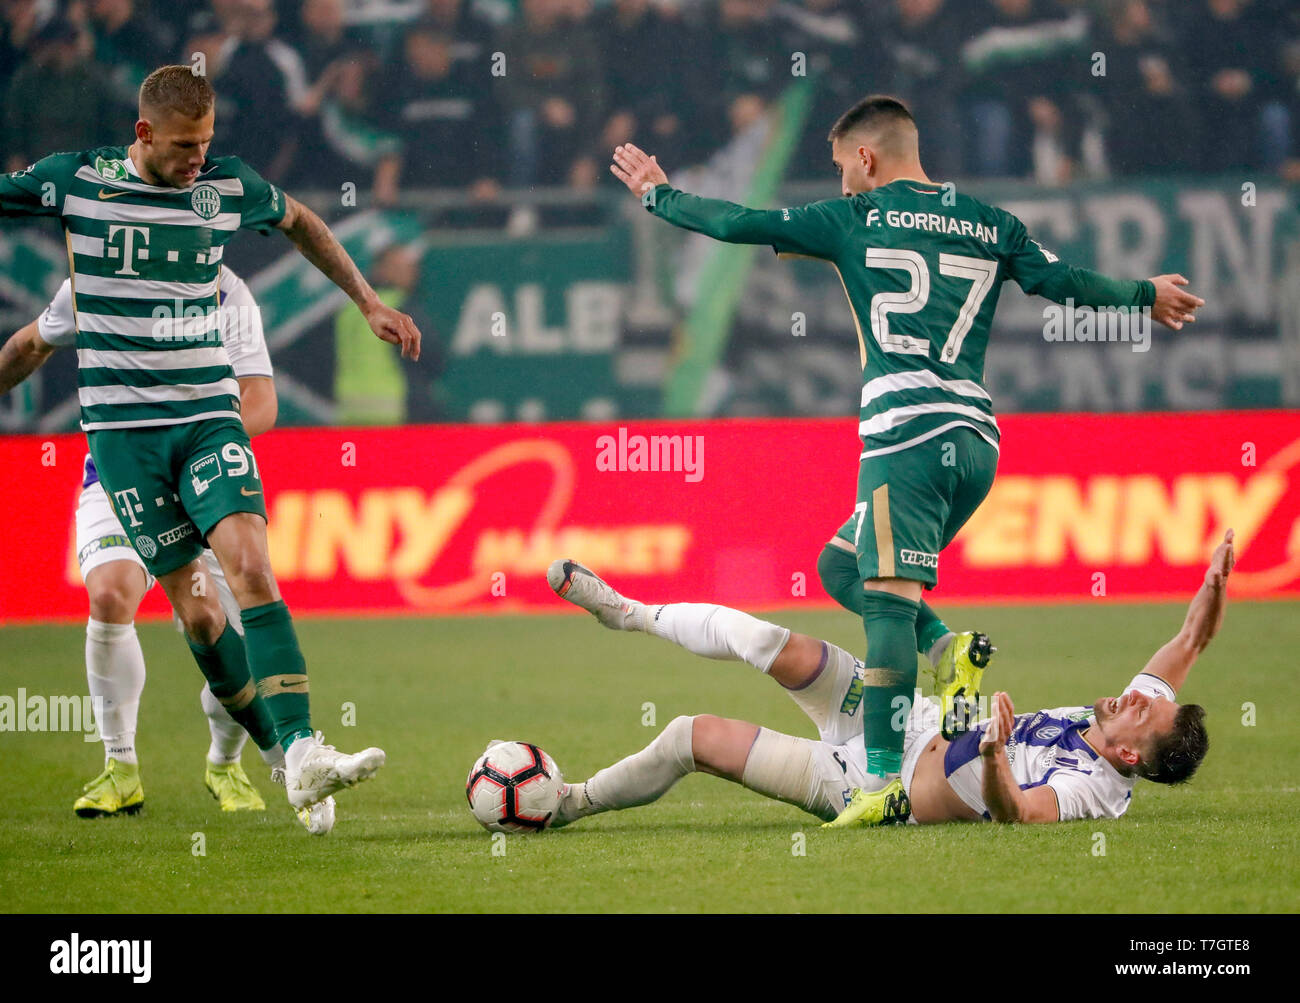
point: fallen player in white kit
(1052, 765)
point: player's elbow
(30, 345)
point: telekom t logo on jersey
(128, 503)
(127, 250)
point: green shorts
(169, 485)
(912, 503)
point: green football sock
(278, 668)
(838, 570)
(225, 666)
(890, 622)
(929, 628)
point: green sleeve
(263, 203)
(817, 230)
(38, 190)
(1041, 273)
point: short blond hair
(176, 89)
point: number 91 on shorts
(170, 485)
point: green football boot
(116, 791)
(957, 680)
(231, 787)
(887, 806)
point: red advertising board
(449, 519)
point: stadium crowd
(484, 94)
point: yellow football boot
(116, 791)
(887, 806)
(231, 787)
(957, 679)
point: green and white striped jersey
(922, 266)
(145, 262)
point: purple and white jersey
(1047, 748)
(241, 334)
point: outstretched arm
(1039, 272)
(22, 355)
(319, 246)
(1174, 660)
(816, 230)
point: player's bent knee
(838, 571)
(719, 745)
(203, 621)
(115, 591)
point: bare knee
(799, 661)
(721, 745)
(198, 609)
(203, 622)
(115, 590)
(239, 541)
(249, 572)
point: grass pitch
(433, 692)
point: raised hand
(1001, 725)
(1221, 563)
(636, 169)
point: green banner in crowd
(532, 328)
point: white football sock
(115, 675)
(718, 632)
(642, 777)
(782, 767)
(228, 735)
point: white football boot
(313, 770)
(583, 587)
(318, 819)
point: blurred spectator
(826, 35)
(924, 39)
(56, 100)
(553, 96)
(130, 43)
(20, 20)
(646, 101)
(471, 35)
(260, 81)
(1143, 85)
(1022, 63)
(205, 32)
(377, 387)
(325, 44)
(442, 112)
(1230, 44)
(750, 63)
(337, 136)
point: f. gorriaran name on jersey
(144, 263)
(934, 222)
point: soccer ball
(514, 787)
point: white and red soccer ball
(514, 787)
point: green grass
(432, 692)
